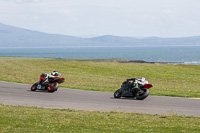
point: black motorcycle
(129, 89)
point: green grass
(100, 75)
(105, 74)
(32, 119)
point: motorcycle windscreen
(148, 86)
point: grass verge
(105, 75)
(32, 119)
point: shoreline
(142, 61)
(119, 60)
(163, 55)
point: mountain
(17, 37)
(11, 36)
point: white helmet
(142, 79)
(54, 73)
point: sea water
(185, 54)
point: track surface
(20, 94)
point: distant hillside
(18, 37)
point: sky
(89, 18)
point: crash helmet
(142, 79)
(54, 73)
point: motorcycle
(51, 85)
(128, 89)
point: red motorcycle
(129, 89)
(50, 85)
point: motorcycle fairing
(41, 78)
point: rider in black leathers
(134, 83)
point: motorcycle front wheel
(34, 87)
(142, 94)
(117, 94)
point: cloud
(22, 1)
(118, 17)
(166, 11)
(64, 11)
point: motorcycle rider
(47, 76)
(136, 82)
(139, 83)
(142, 81)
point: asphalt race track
(20, 94)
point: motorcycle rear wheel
(117, 94)
(53, 88)
(142, 94)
